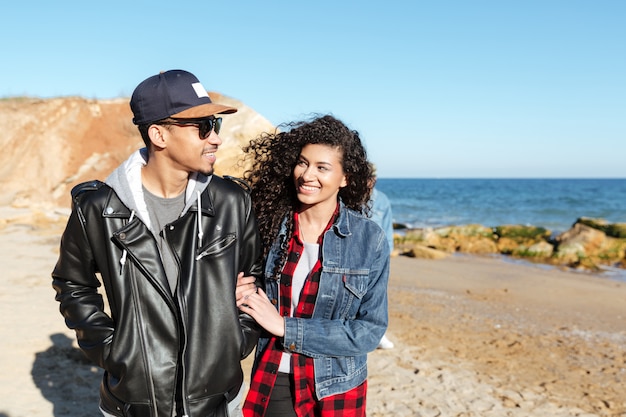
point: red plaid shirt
(351, 403)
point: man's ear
(157, 135)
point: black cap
(174, 93)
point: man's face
(188, 151)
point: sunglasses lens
(206, 126)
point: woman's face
(318, 175)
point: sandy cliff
(52, 144)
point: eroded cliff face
(50, 145)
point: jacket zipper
(143, 343)
(180, 308)
(228, 240)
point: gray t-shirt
(163, 211)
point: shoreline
(590, 245)
(607, 272)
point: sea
(554, 204)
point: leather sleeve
(251, 254)
(74, 279)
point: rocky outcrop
(587, 247)
(610, 229)
(423, 252)
(471, 238)
(588, 244)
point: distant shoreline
(608, 272)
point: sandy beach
(474, 337)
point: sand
(473, 337)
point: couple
(198, 271)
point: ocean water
(551, 203)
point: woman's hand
(261, 309)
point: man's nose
(214, 138)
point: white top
(307, 261)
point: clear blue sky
(447, 89)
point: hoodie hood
(125, 180)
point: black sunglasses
(205, 126)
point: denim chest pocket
(356, 284)
(354, 287)
(217, 246)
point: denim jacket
(350, 313)
(381, 214)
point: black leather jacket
(152, 339)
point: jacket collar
(342, 224)
(115, 208)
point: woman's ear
(344, 181)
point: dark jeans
(282, 400)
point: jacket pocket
(217, 246)
(355, 287)
(210, 406)
(356, 284)
(112, 405)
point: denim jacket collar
(342, 225)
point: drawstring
(125, 252)
(200, 233)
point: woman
(325, 301)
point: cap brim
(204, 110)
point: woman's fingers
(245, 286)
(260, 308)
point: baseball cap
(174, 93)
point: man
(168, 239)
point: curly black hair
(274, 156)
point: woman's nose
(308, 174)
